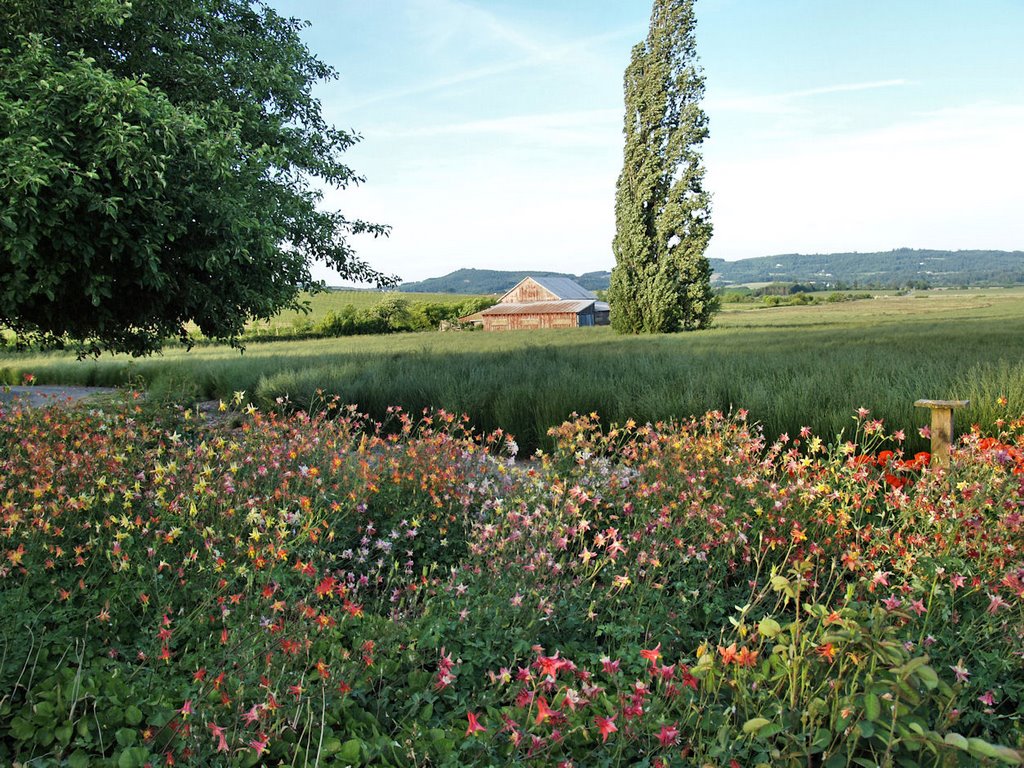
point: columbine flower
(960, 671)
(987, 698)
(995, 602)
(651, 654)
(606, 725)
(668, 736)
(474, 724)
(543, 710)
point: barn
(543, 302)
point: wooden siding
(528, 291)
(525, 322)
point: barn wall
(527, 292)
(529, 322)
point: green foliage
(662, 280)
(157, 163)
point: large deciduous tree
(662, 280)
(162, 162)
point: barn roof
(564, 288)
(540, 308)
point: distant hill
(890, 269)
(478, 281)
(896, 268)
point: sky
(492, 129)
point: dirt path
(49, 395)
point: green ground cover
(789, 366)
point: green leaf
(928, 677)
(872, 707)
(956, 740)
(981, 748)
(769, 627)
(133, 715)
(126, 737)
(79, 759)
(22, 729)
(755, 724)
(350, 751)
(63, 734)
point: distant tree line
(392, 314)
(900, 268)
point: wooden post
(942, 427)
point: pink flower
(995, 602)
(892, 603)
(218, 733)
(960, 671)
(186, 708)
(987, 698)
(917, 606)
(260, 744)
(668, 736)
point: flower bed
(324, 590)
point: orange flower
(826, 651)
(746, 657)
(728, 654)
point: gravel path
(49, 395)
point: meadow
(789, 367)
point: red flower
(606, 725)
(652, 654)
(474, 724)
(543, 710)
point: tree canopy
(162, 162)
(662, 280)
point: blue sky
(492, 129)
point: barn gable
(531, 289)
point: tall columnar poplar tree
(662, 280)
(158, 165)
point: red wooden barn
(543, 302)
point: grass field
(789, 366)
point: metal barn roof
(564, 288)
(540, 308)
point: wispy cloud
(779, 103)
(508, 46)
(554, 128)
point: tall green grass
(789, 367)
